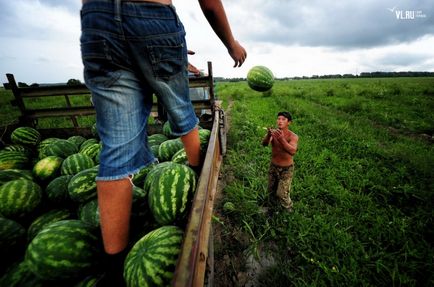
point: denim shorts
(131, 50)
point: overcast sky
(40, 38)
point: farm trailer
(195, 262)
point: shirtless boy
(283, 148)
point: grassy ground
(362, 191)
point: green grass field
(362, 191)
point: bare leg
(114, 201)
(191, 143)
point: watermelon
(180, 157)
(12, 174)
(88, 142)
(47, 168)
(57, 190)
(156, 139)
(19, 147)
(204, 136)
(89, 213)
(66, 249)
(19, 275)
(61, 148)
(167, 130)
(260, 78)
(152, 259)
(170, 191)
(82, 186)
(152, 174)
(45, 219)
(11, 159)
(154, 149)
(26, 136)
(77, 140)
(91, 150)
(139, 178)
(75, 163)
(12, 235)
(43, 144)
(89, 281)
(168, 148)
(19, 198)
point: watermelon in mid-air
(260, 78)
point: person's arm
(216, 16)
(289, 147)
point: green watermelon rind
(75, 163)
(73, 250)
(152, 259)
(260, 78)
(19, 198)
(170, 193)
(82, 186)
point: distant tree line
(343, 76)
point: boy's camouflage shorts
(279, 181)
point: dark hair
(286, 115)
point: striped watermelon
(66, 249)
(77, 140)
(57, 190)
(10, 159)
(88, 142)
(26, 136)
(156, 139)
(152, 260)
(260, 78)
(47, 168)
(19, 275)
(204, 136)
(19, 198)
(45, 219)
(82, 186)
(89, 281)
(75, 163)
(12, 174)
(152, 174)
(19, 147)
(180, 157)
(170, 192)
(61, 148)
(167, 130)
(89, 213)
(168, 148)
(139, 178)
(91, 150)
(154, 149)
(12, 236)
(43, 144)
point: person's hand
(238, 53)
(277, 134)
(192, 69)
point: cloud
(38, 20)
(337, 24)
(292, 37)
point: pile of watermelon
(49, 218)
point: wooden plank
(57, 90)
(59, 112)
